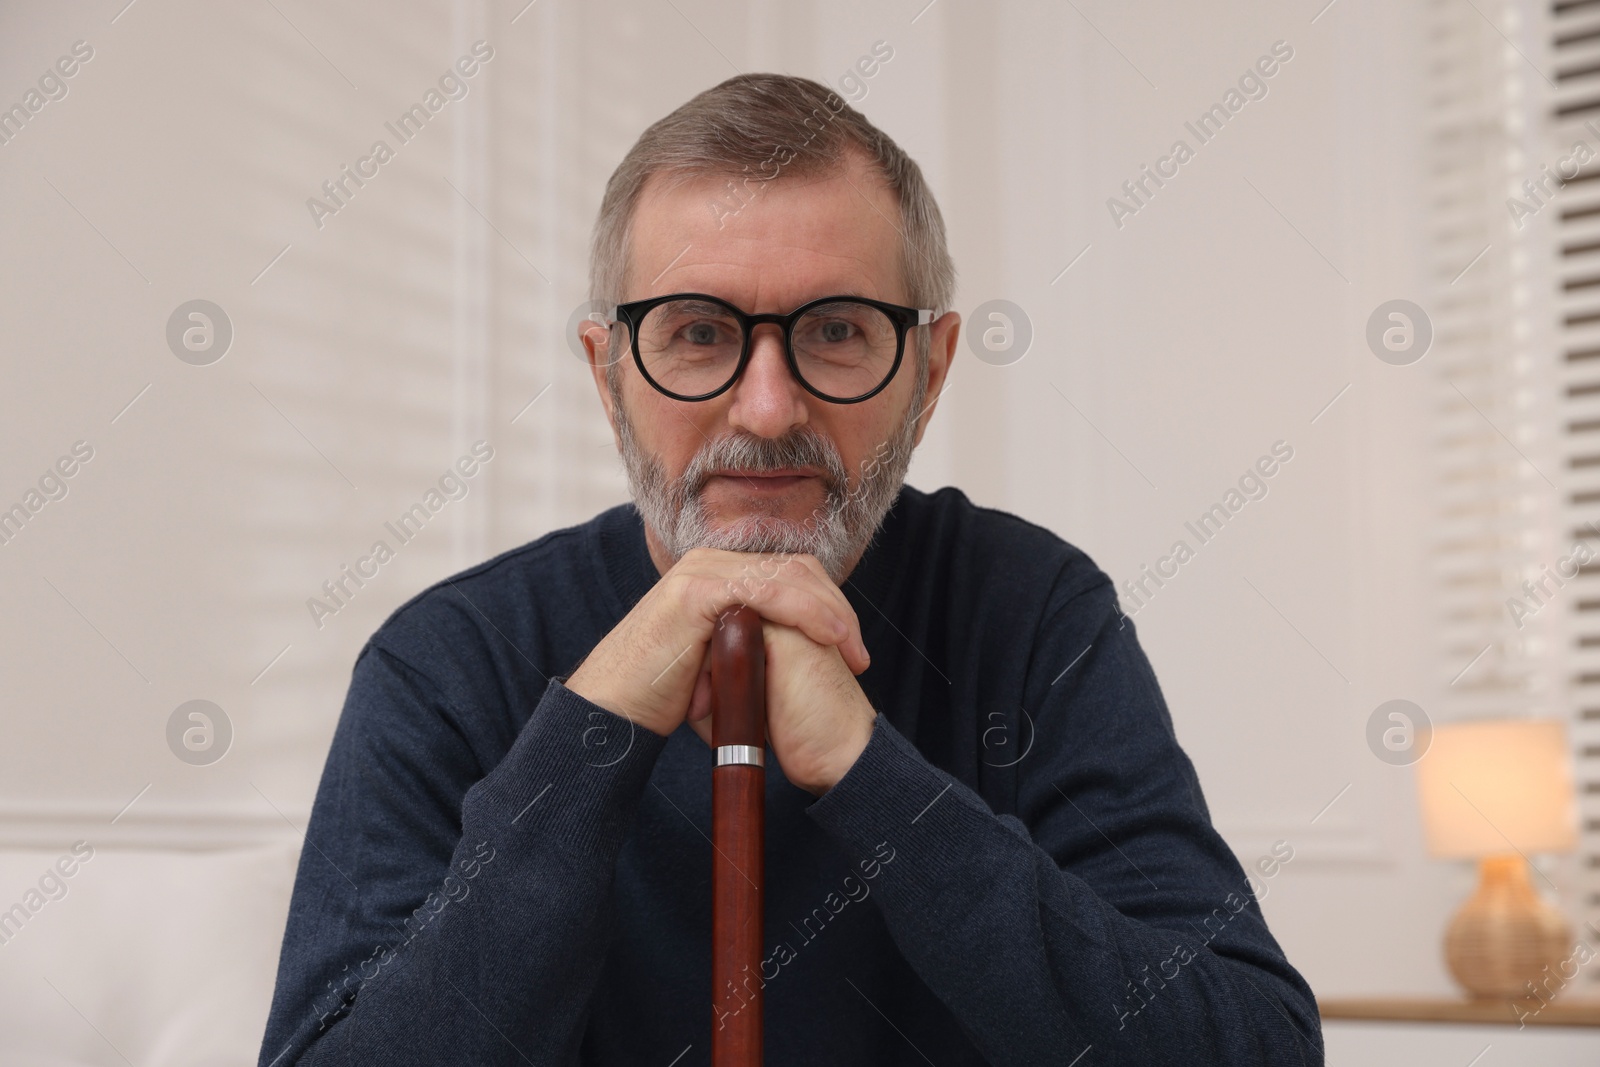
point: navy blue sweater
(1020, 866)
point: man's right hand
(653, 667)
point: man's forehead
(776, 243)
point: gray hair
(743, 128)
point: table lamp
(1496, 791)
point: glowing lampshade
(1498, 786)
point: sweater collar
(632, 573)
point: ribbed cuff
(893, 803)
(945, 849)
(574, 777)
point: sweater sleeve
(440, 915)
(1110, 915)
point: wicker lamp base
(1506, 937)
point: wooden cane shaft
(738, 820)
(738, 794)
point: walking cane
(738, 817)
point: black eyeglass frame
(903, 318)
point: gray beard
(835, 533)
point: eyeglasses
(843, 349)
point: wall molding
(1315, 845)
(146, 826)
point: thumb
(699, 717)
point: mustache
(803, 447)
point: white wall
(1222, 317)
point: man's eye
(836, 331)
(701, 333)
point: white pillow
(170, 956)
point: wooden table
(1562, 1011)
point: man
(983, 842)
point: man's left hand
(818, 719)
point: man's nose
(767, 401)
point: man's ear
(943, 333)
(596, 339)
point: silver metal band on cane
(746, 754)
